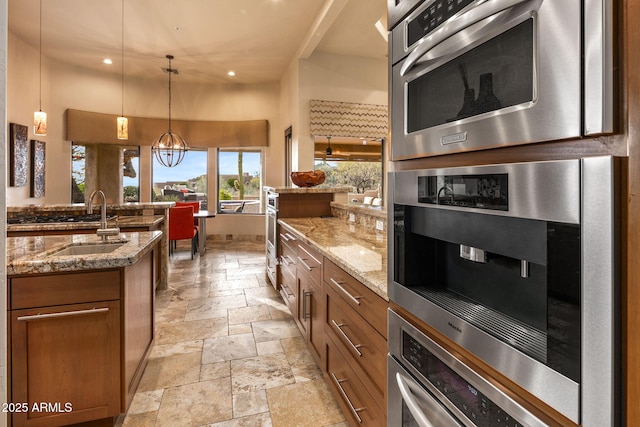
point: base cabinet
(69, 359)
(78, 344)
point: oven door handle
(407, 389)
(475, 15)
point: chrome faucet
(103, 230)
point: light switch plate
(379, 225)
(352, 217)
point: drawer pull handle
(307, 266)
(286, 259)
(356, 300)
(344, 395)
(63, 314)
(290, 236)
(304, 305)
(356, 347)
(284, 237)
(310, 255)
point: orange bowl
(308, 179)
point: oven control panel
(432, 16)
(477, 407)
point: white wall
(336, 78)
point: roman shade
(348, 119)
(90, 127)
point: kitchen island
(80, 325)
(62, 219)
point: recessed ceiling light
(107, 61)
(231, 73)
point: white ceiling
(255, 38)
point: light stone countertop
(360, 252)
(33, 254)
(304, 190)
(122, 222)
(27, 209)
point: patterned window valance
(349, 120)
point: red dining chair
(181, 227)
(196, 209)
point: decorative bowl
(308, 179)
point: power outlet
(379, 225)
(352, 217)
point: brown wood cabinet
(310, 307)
(78, 343)
(356, 330)
(344, 324)
(287, 285)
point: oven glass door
(453, 88)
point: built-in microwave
(476, 74)
(517, 263)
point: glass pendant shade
(40, 123)
(123, 128)
(169, 149)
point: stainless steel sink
(88, 249)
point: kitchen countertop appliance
(476, 74)
(517, 264)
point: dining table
(202, 216)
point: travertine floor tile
(231, 347)
(146, 401)
(213, 371)
(270, 330)
(170, 333)
(171, 371)
(235, 370)
(249, 314)
(319, 407)
(261, 372)
(196, 404)
(251, 403)
(183, 347)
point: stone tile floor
(227, 351)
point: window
(356, 164)
(84, 159)
(184, 182)
(78, 177)
(240, 181)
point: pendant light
(169, 148)
(329, 151)
(40, 117)
(122, 123)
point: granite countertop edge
(303, 190)
(33, 254)
(122, 222)
(304, 229)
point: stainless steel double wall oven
(474, 74)
(516, 263)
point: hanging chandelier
(169, 148)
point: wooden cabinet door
(68, 361)
(310, 312)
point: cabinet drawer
(367, 347)
(311, 261)
(70, 288)
(357, 404)
(287, 238)
(362, 299)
